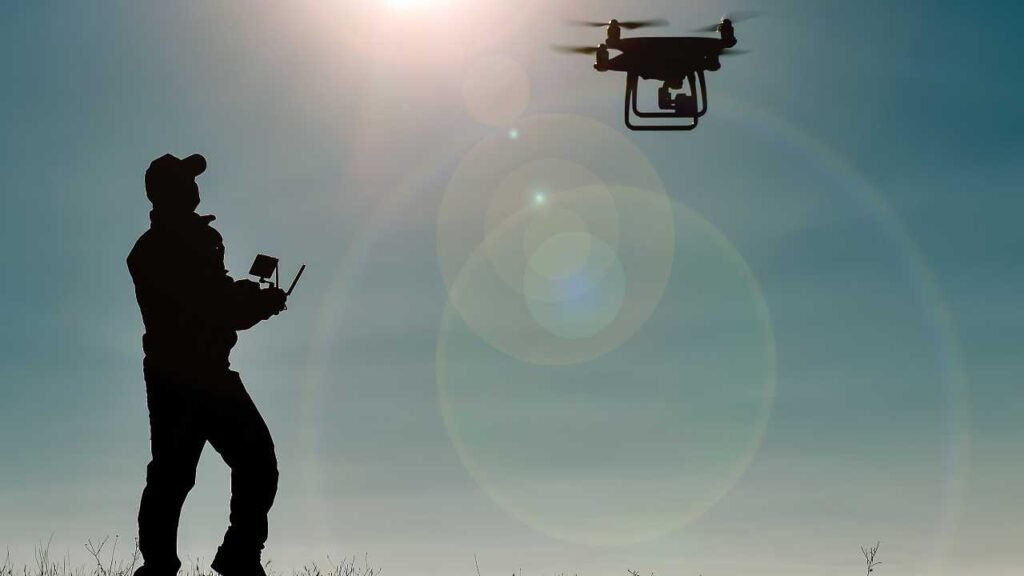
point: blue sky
(802, 325)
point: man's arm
(241, 303)
(247, 304)
(201, 290)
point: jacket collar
(159, 219)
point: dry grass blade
(869, 557)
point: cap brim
(193, 165)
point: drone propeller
(644, 23)
(591, 23)
(628, 25)
(733, 52)
(734, 17)
(575, 49)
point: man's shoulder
(142, 245)
(151, 247)
(141, 251)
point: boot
(226, 563)
(151, 570)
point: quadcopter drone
(670, 59)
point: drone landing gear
(682, 106)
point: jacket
(191, 308)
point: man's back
(184, 293)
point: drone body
(675, 61)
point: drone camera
(681, 104)
(685, 105)
(665, 97)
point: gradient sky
(802, 334)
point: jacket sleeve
(246, 304)
(196, 286)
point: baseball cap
(168, 172)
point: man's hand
(247, 303)
(247, 288)
(274, 300)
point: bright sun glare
(411, 4)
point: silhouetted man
(192, 309)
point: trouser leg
(237, 431)
(176, 442)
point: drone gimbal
(691, 105)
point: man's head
(171, 182)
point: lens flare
(952, 383)
(685, 399)
(564, 205)
(574, 285)
(545, 253)
(566, 273)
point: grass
(108, 564)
